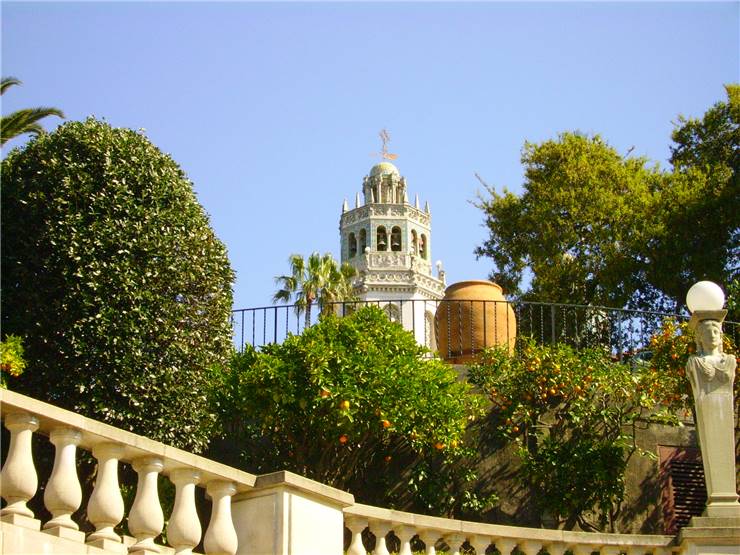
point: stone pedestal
(287, 514)
(711, 536)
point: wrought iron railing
(470, 326)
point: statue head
(709, 337)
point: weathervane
(385, 137)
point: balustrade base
(706, 535)
(67, 533)
(722, 510)
(108, 545)
(22, 521)
(714, 522)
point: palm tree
(22, 121)
(319, 279)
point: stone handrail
(105, 509)
(435, 531)
(279, 513)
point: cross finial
(385, 138)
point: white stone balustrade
(529, 541)
(110, 446)
(279, 513)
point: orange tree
(355, 403)
(572, 417)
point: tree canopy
(318, 279)
(115, 281)
(353, 403)
(593, 226)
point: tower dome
(384, 168)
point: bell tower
(388, 241)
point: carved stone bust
(712, 373)
(710, 368)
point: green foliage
(595, 227)
(576, 225)
(733, 300)
(352, 403)
(115, 279)
(319, 279)
(22, 121)
(701, 230)
(572, 415)
(12, 360)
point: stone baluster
(556, 548)
(530, 547)
(480, 544)
(405, 535)
(105, 507)
(356, 525)
(505, 545)
(146, 520)
(63, 494)
(429, 537)
(582, 549)
(18, 481)
(183, 528)
(220, 538)
(610, 550)
(455, 543)
(380, 530)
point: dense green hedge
(115, 280)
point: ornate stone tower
(388, 241)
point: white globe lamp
(705, 295)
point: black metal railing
(466, 327)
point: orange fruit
(344, 405)
(385, 423)
(343, 439)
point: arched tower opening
(382, 239)
(352, 244)
(396, 239)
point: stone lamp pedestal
(712, 374)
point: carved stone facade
(388, 241)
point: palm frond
(8, 82)
(25, 121)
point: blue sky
(273, 109)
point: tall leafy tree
(575, 226)
(318, 279)
(115, 280)
(699, 208)
(22, 121)
(592, 226)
